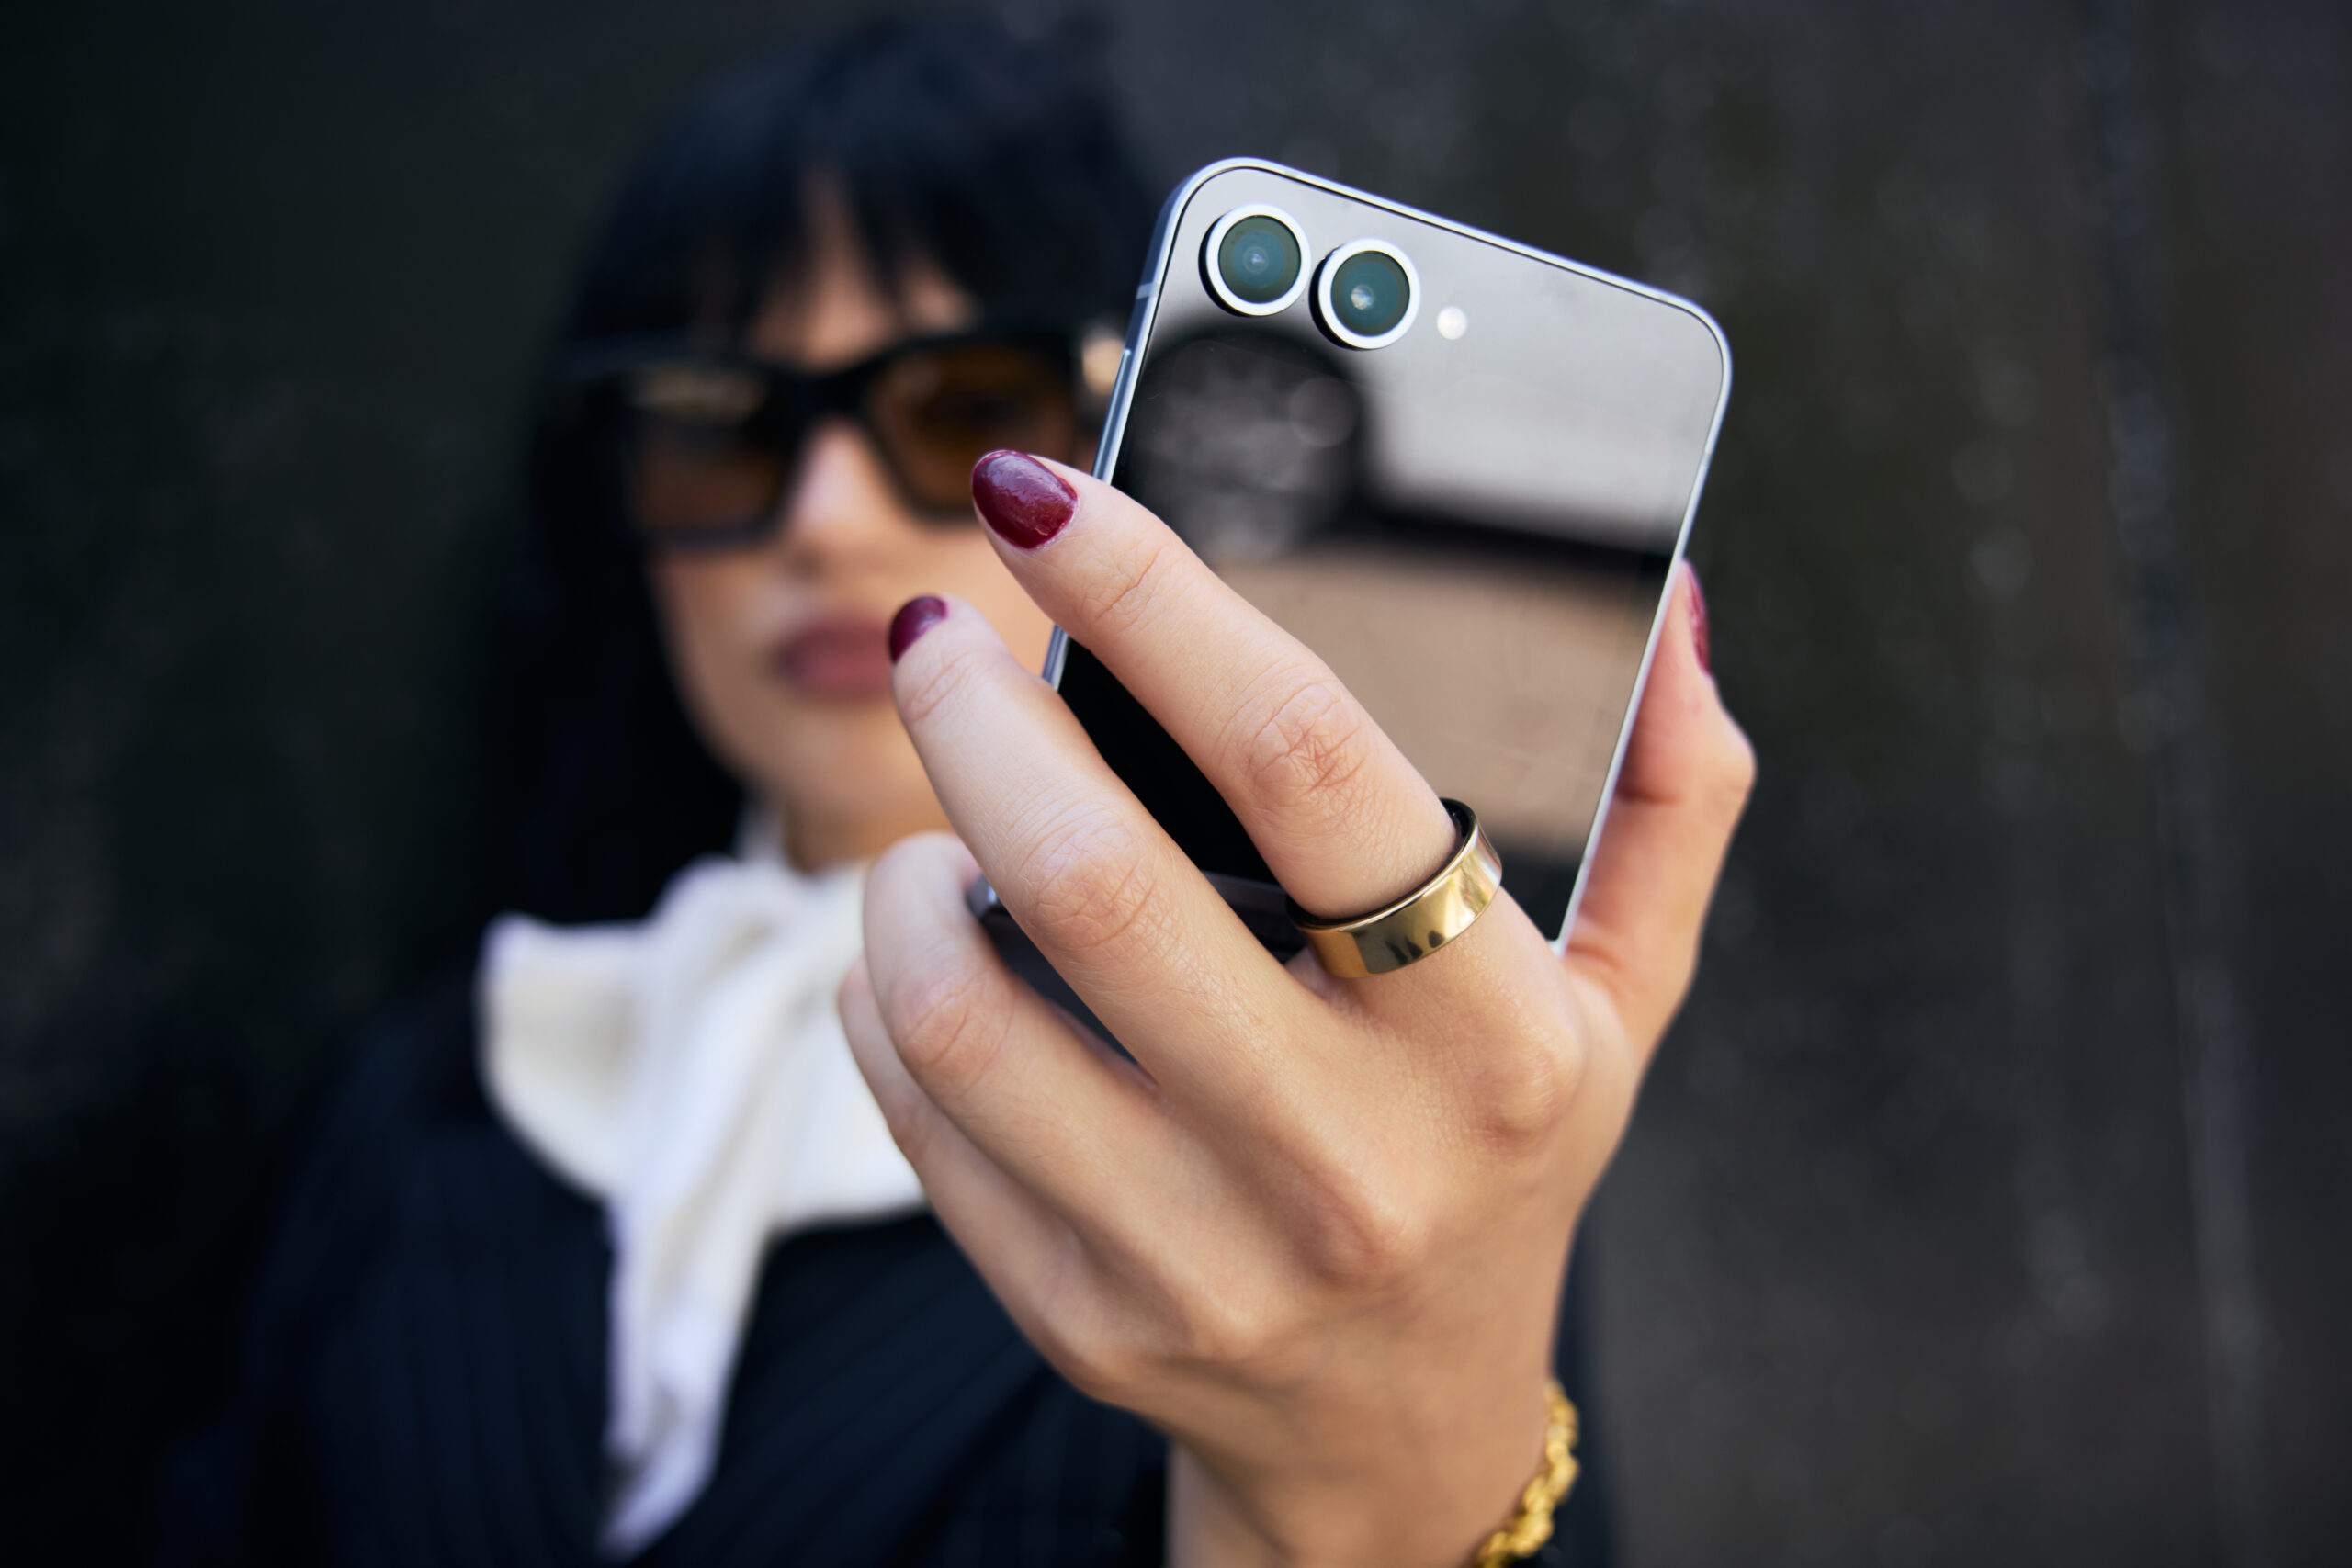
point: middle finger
(1345, 821)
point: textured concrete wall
(1991, 1198)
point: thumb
(1685, 781)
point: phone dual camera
(1365, 293)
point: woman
(1314, 1232)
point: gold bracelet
(1530, 1525)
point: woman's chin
(849, 785)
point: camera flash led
(1451, 323)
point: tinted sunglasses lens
(700, 464)
(938, 411)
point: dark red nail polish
(1699, 621)
(916, 616)
(1026, 501)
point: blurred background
(1993, 1199)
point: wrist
(1432, 1499)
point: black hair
(954, 142)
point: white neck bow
(690, 1070)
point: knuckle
(1733, 774)
(1360, 1236)
(1131, 582)
(1529, 1088)
(938, 682)
(1099, 1371)
(1307, 746)
(1099, 1367)
(947, 1029)
(1092, 878)
(1221, 1331)
(1097, 1362)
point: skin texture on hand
(1316, 1229)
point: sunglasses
(708, 444)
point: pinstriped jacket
(423, 1377)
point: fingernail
(916, 616)
(1026, 501)
(1699, 620)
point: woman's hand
(1316, 1230)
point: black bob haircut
(954, 142)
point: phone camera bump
(1255, 260)
(1366, 294)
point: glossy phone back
(1474, 524)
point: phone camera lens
(1255, 259)
(1366, 293)
(1259, 261)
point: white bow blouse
(690, 1070)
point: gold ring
(1422, 921)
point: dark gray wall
(1991, 1199)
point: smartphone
(1458, 469)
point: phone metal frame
(1147, 310)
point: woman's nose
(842, 503)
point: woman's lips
(838, 656)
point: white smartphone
(1458, 469)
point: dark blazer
(424, 1372)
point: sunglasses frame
(598, 372)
